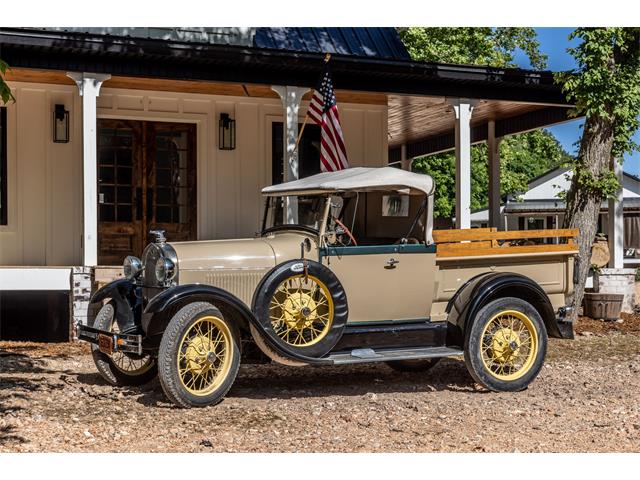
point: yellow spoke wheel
(301, 310)
(204, 355)
(509, 345)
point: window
(308, 152)
(3, 165)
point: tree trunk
(583, 203)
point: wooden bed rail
(489, 241)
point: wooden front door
(146, 181)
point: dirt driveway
(587, 398)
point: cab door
(384, 282)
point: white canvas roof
(361, 179)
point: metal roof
(363, 42)
(374, 42)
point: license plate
(105, 343)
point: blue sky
(554, 42)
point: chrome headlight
(165, 270)
(132, 265)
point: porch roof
(417, 93)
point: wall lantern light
(60, 124)
(227, 137)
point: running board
(366, 355)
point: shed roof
(357, 179)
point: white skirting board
(35, 278)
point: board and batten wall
(45, 178)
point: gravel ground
(585, 399)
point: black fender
(127, 297)
(483, 288)
(162, 307)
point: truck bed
(478, 242)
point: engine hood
(239, 254)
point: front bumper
(110, 342)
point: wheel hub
(505, 345)
(299, 310)
(199, 357)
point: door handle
(391, 263)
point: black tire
(113, 368)
(179, 327)
(422, 365)
(496, 346)
(329, 287)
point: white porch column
(493, 147)
(615, 220)
(89, 87)
(463, 109)
(291, 98)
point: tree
(522, 156)
(5, 91)
(606, 90)
(495, 47)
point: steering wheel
(347, 231)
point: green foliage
(5, 91)
(522, 157)
(495, 47)
(607, 82)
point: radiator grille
(241, 283)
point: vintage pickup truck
(361, 277)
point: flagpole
(327, 57)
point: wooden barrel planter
(605, 306)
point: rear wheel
(199, 356)
(120, 368)
(506, 345)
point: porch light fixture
(60, 124)
(227, 137)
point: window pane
(107, 213)
(163, 214)
(124, 213)
(106, 175)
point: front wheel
(120, 368)
(199, 356)
(506, 345)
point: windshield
(310, 211)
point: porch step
(366, 355)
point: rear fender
(480, 290)
(162, 307)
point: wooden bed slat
(449, 236)
(470, 249)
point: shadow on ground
(279, 382)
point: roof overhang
(420, 116)
(235, 63)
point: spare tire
(304, 312)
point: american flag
(323, 110)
